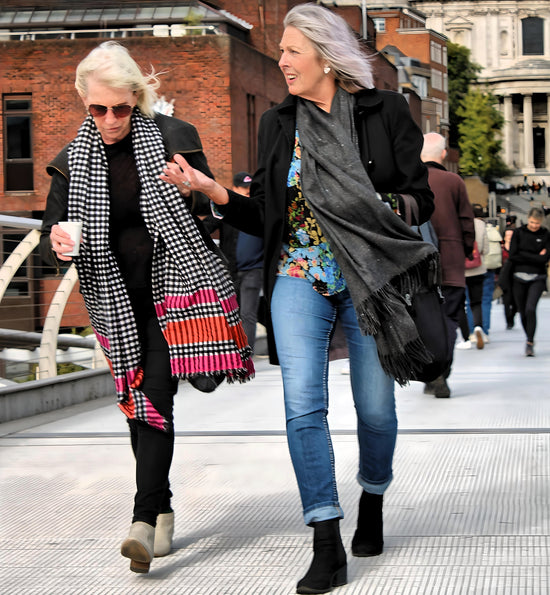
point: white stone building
(510, 39)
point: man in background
(453, 221)
(244, 253)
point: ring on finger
(187, 183)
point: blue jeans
(486, 303)
(303, 322)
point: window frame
(24, 161)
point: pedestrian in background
(453, 222)
(505, 281)
(474, 282)
(493, 261)
(337, 160)
(529, 255)
(244, 253)
(156, 291)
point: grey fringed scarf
(382, 259)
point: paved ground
(468, 511)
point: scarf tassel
(403, 367)
(385, 315)
(383, 305)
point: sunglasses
(119, 111)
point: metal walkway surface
(468, 511)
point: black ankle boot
(328, 568)
(369, 537)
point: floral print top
(306, 253)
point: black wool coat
(390, 143)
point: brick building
(219, 65)
(220, 71)
(421, 57)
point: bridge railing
(44, 327)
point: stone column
(529, 163)
(508, 131)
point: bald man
(453, 221)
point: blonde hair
(111, 64)
(335, 42)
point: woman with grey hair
(157, 293)
(338, 162)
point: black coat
(390, 143)
(179, 138)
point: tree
(462, 73)
(479, 143)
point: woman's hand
(61, 242)
(186, 179)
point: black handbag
(428, 313)
(427, 310)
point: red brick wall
(208, 76)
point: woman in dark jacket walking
(337, 160)
(529, 254)
(157, 293)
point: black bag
(428, 314)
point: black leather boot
(328, 568)
(369, 536)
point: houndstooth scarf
(382, 259)
(193, 293)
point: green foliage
(479, 142)
(462, 73)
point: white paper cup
(74, 229)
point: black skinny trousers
(526, 296)
(154, 448)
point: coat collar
(368, 101)
(435, 165)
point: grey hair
(111, 64)
(335, 42)
(434, 145)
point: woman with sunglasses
(156, 290)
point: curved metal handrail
(47, 365)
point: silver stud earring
(326, 69)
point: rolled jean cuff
(374, 488)
(323, 514)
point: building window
(18, 163)
(533, 36)
(437, 80)
(421, 84)
(380, 24)
(435, 52)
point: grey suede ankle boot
(138, 546)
